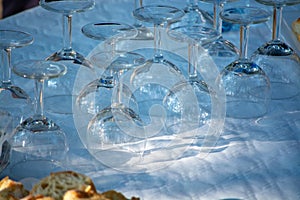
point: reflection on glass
(246, 85)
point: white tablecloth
(254, 161)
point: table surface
(258, 160)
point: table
(256, 160)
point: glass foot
(70, 55)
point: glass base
(70, 54)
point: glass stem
(137, 3)
(67, 32)
(113, 54)
(192, 57)
(6, 66)
(277, 16)
(39, 91)
(119, 91)
(157, 43)
(244, 33)
(218, 7)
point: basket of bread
(64, 185)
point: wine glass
(195, 15)
(57, 93)
(194, 35)
(246, 85)
(142, 78)
(17, 101)
(158, 15)
(143, 32)
(113, 62)
(38, 143)
(223, 51)
(280, 62)
(103, 131)
(150, 89)
(68, 8)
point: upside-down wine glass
(68, 8)
(120, 132)
(103, 131)
(158, 15)
(223, 51)
(280, 62)
(195, 35)
(58, 95)
(38, 144)
(151, 93)
(113, 62)
(17, 101)
(246, 85)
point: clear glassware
(144, 33)
(246, 85)
(38, 143)
(58, 95)
(158, 15)
(113, 62)
(223, 51)
(148, 92)
(6, 126)
(151, 93)
(195, 35)
(67, 8)
(17, 101)
(195, 15)
(280, 62)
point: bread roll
(57, 184)
(11, 190)
(82, 195)
(66, 185)
(114, 195)
(296, 28)
(38, 197)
